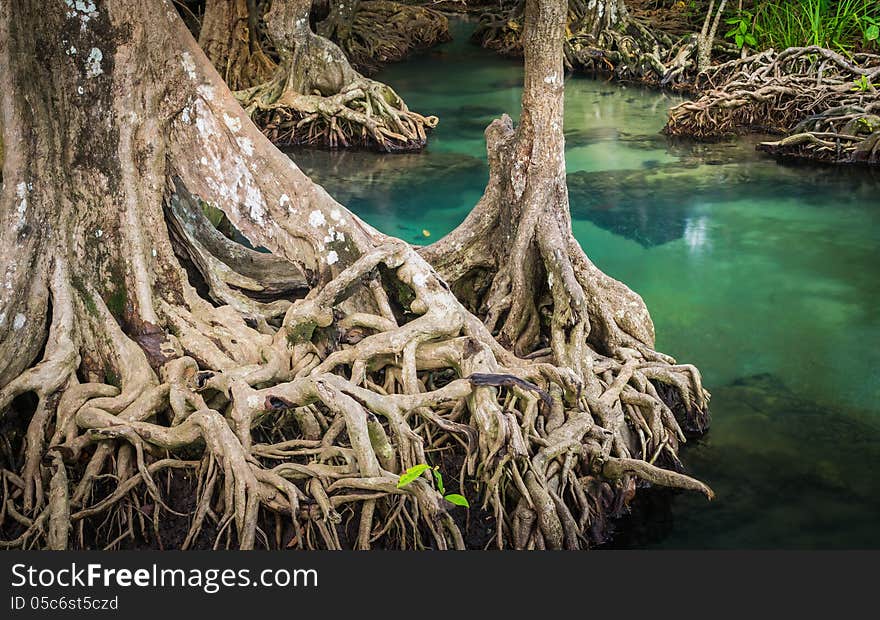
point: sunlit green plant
(415, 471)
(835, 24)
(863, 84)
(743, 31)
(871, 29)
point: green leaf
(740, 40)
(873, 33)
(743, 27)
(411, 474)
(458, 500)
(439, 478)
(751, 40)
(730, 33)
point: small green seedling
(863, 84)
(417, 470)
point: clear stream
(764, 276)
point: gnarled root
(365, 113)
(382, 31)
(530, 433)
(195, 394)
(825, 100)
(317, 98)
(625, 43)
(845, 135)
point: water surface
(762, 275)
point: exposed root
(804, 90)
(274, 401)
(607, 38)
(521, 425)
(316, 98)
(382, 31)
(848, 135)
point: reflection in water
(763, 275)
(695, 233)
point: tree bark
(230, 39)
(148, 339)
(600, 15)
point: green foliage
(438, 478)
(743, 31)
(411, 474)
(457, 499)
(871, 29)
(214, 215)
(415, 471)
(841, 25)
(863, 84)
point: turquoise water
(762, 275)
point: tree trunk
(230, 39)
(338, 23)
(706, 38)
(513, 240)
(601, 15)
(152, 343)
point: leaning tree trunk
(230, 39)
(316, 97)
(136, 341)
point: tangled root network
(826, 102)
(169, 387)
(381, 32)
(294, 430)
